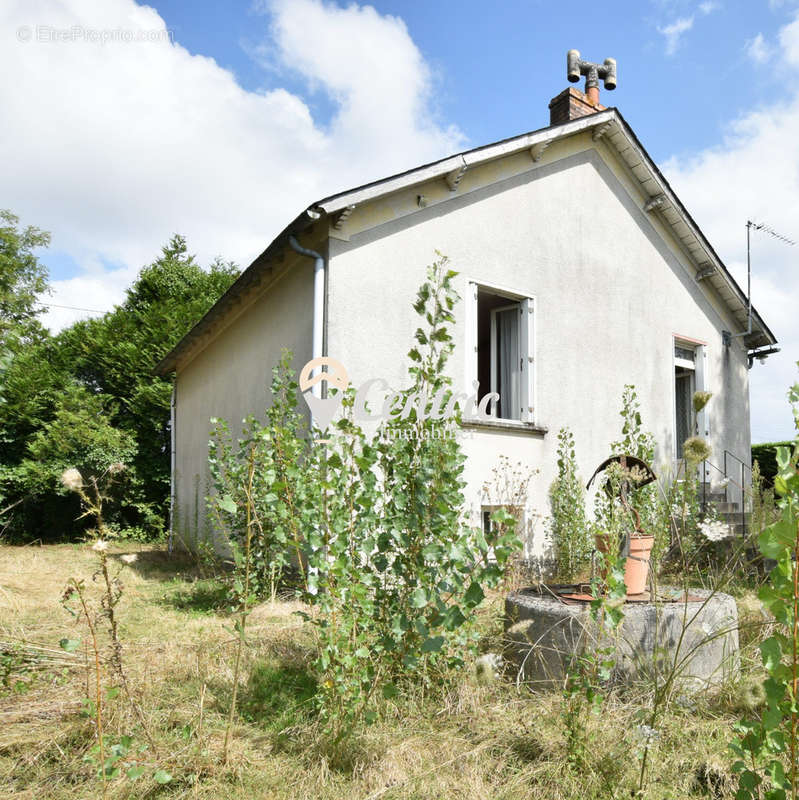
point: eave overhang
(607, 128)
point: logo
(446, 405)
(323, 409)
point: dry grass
(476, 741)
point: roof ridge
(369, 191)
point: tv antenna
(767, 229)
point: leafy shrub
(767, 747)
(638, 442)
(72, 397)
(764, 507)
(766, 456)
(388, 564)
(277, 450)
(568, 527)
(78, 435)
(397, 570)
(611, 520)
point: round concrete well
(697, 636)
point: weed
(568, 527)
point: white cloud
(708, 7)
(116, 146)
(89, 292)
(789, 40)
(776, 5)
(757, 49)
(754, 174)
(674, 31)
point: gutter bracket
(454, 177)
(537, 150)
(342, 217)
(658, 201)
(338, 226)
(601, 130)
(705, 271)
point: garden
(353, 638)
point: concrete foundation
(697, 637)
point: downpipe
(318, 302)
(172, 462)
(317, 337)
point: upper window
(502, 353)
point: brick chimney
(571, 104)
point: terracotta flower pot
(636, 569)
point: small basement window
(490, 527)
(503, 336)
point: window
(490, 527)
(526, 521)
(684, 382)
(501, 355)
(690, 375)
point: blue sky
(498, 65)
(220, 119)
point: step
(734, 516)
(727, 508)
(711, 488)
(719, 495)
(739, 529)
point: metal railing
(727, 478)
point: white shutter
(470, 364)
(527, 355)
(701, 384)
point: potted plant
(636, 568)
(624, 474)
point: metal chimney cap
(575, 67)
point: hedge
(766, 456)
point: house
(580, 271)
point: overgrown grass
(204, 596)
(472, 741)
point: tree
(22, 279)
(115, 354)
(110, 360)
(79, 435)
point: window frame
(527, 342)
(699, 365)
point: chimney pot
(571, 103)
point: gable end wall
(610, 295)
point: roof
(608, 125)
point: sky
(124, 123)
